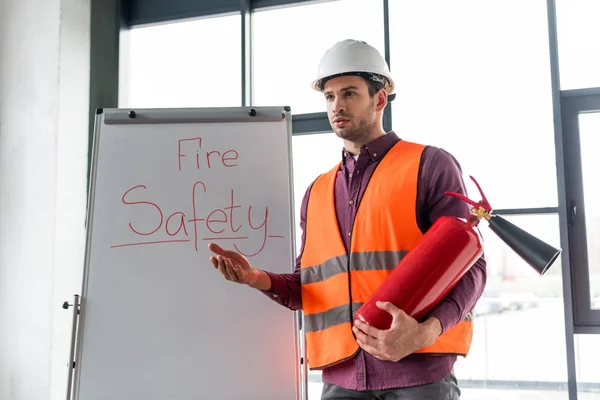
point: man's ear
(381, 100)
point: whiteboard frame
(170, 116)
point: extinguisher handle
(483, 203)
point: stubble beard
(362, 128)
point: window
(473, 77)
(589, 138)
(174, 65)
(508, 318)
(578, 43)
(581, 127)
(289, 42)
(587, 363)
(313, 155)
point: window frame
(144, 12)
(574, 103)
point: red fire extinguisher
(442, 256)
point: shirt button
(275, 296)
(350, 175)
(374, 154)
(351, 202)
(349, 233)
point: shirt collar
(375, 149)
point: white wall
(44, 96)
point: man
(387, 192)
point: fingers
(370, 349)
(366, 329)
(232, 265)
(215, 248)
(233, 271)
(226, 268)
(362, 336)
(387, 306)
(222, 267)
(371, 345)
(370, 339)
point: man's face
(350, 109)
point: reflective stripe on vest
(334, 283)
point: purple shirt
(440, 173)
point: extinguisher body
(427, 273)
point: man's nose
(338, 105)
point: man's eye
(329, 97)
(349, 94)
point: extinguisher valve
(480, 209)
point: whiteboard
(157, 320)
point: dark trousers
(445, 389)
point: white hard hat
(353, 57)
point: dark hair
(373, 86)
(375, 82)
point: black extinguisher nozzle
(538, 254)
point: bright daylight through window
(486, 98)
(169, 65)
(286, 63)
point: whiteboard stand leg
(303, 363)
(71, 363)
(304, 367)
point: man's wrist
(433, 329)
(260, 281)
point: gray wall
(44, 97)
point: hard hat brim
(388, 84)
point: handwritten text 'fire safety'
(220, 224)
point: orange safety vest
(336, 283)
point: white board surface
(157, 320)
